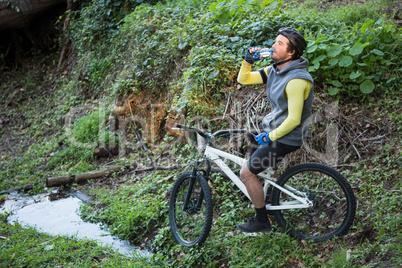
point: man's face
(280, 49)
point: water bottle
(265, 52)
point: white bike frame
(217, 156)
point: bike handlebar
(219, 133)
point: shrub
(90, 129)
(352, 52)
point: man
(290, 91)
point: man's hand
(263, 139)
(249, 56)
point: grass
(26, 247)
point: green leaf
(357, 49)
(334, 51)
(312, 48)
(323, 47)
(333, 91)
(182, 45)
(223, 18)
(220, 4)
(354, 75)
(213, 74)
(367, 86)
(386, 62)
(319, 58)
(275, 4)
(379, 21)
(361, 79)
(314, 67)
(212, 7)
(346, 61)
(333, 61)
(378, 52)
(235, 39)
(365, 26)
(188, 88)
(336, 83)
(311, 69)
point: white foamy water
(61, 217)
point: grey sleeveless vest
(276, 84)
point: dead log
(79, 178)
(58, 181)
(105, 152)
(17, 14)
(96, 174)
(82, 177)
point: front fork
(188, 206)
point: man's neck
(283, 65)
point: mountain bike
(309, 201)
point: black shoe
(254, 226)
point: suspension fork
(193, 177)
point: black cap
(296, 39)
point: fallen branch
(80, 178)
(165, 179)
(374, 138)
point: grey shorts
(268, 156)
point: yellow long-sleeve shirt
(296, 91)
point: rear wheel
(334, 203)
(190, 209)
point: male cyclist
(290, 91)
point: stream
(60, 217)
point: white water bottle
(265, 52)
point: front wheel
(334, 203)
(190, 209)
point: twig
(165, 179)
(48, 241)
(373, 139)
(360, 134)
(226, 108)
(351, 143)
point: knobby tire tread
(344, 184)
(208, 204)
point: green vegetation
(353, 51)
(182, 57)
(25, 247)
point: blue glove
(260, 139)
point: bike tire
(334, 203)
(190, 227)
